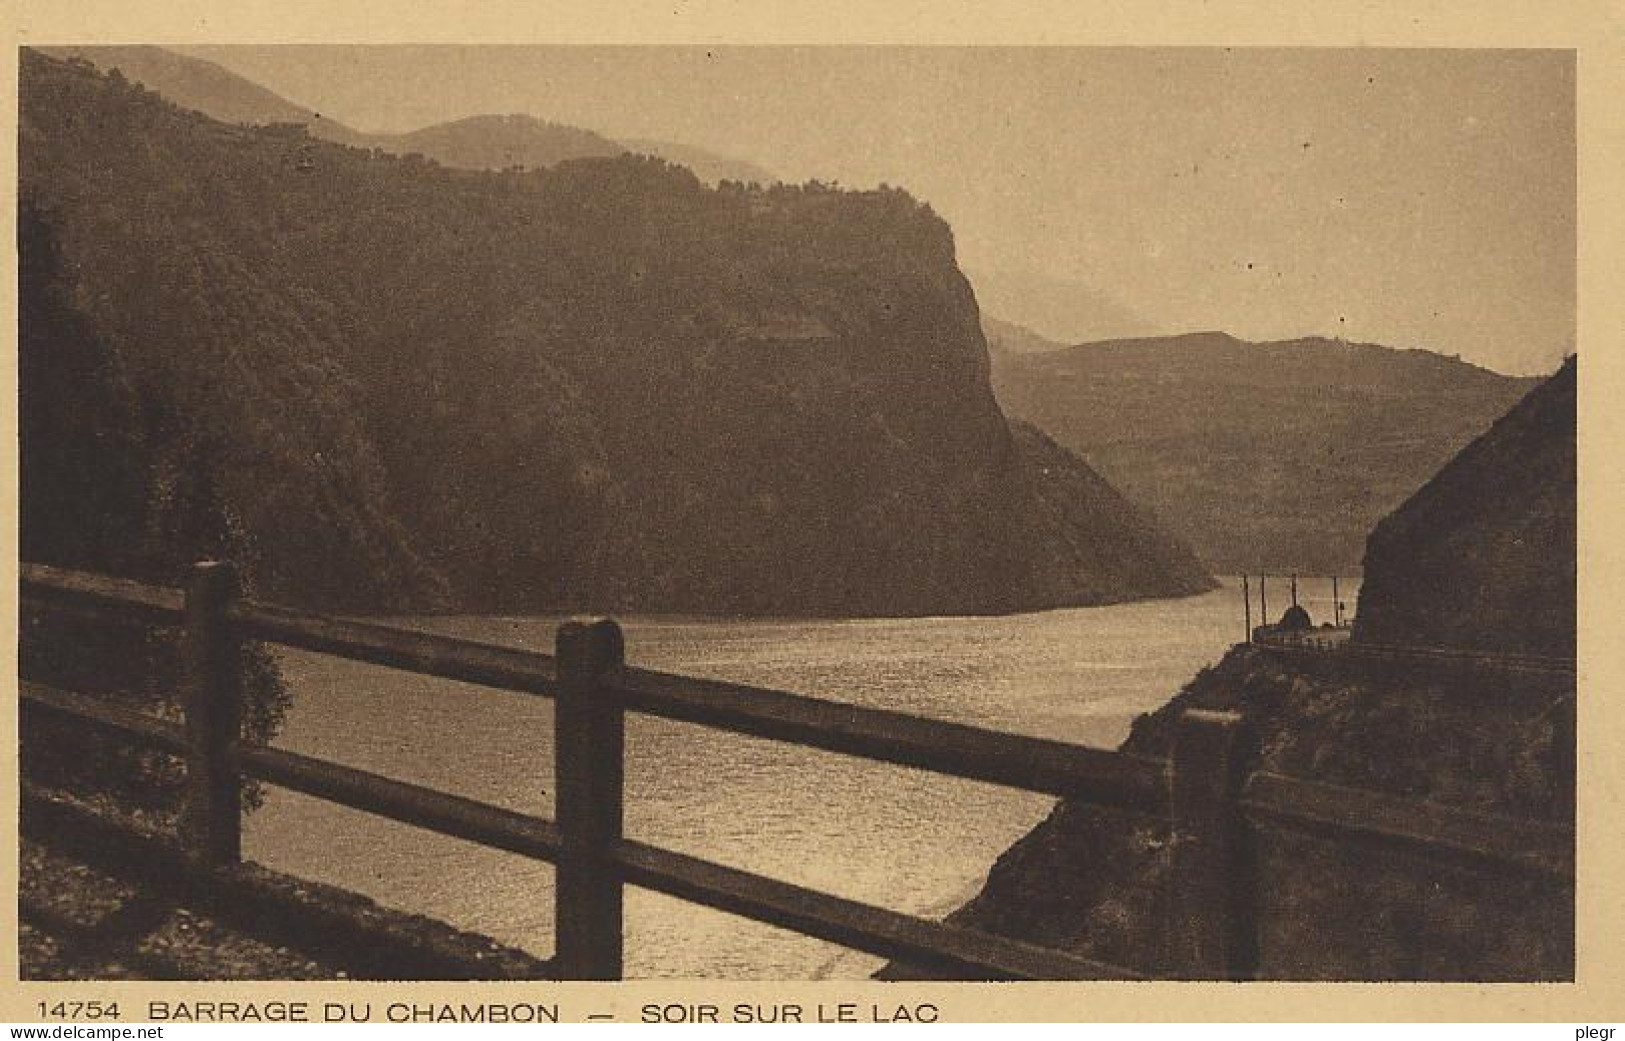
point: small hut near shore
(1295, 620)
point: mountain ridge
(1057, 309)
(1277, 455)
(206, 87)
(478, 142)
(598, 386)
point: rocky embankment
(1476, 737)
(1095, 880)
(1483, 557)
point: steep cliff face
(1476, 737)
(1483, 557)
(599, 386)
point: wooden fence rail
(1201, 789)
(1336, 644)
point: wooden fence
(1339, 645)
(1212, 808)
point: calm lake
(911, 841)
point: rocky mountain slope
(1483, 557)
(1275, 456)
(598, 386)
(1096, 881)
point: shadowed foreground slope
(1483, 557)
(1470, 736)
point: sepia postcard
(890, 513)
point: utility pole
(1263, 601)
(1247, 607)
(1337, 605)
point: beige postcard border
(1596, 30)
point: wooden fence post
(212, 821)
(1211, 934)
(589, 766)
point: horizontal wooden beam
(1551, 661)
(148, 730)
(101, 590)
(954, 949)
(1032, 764)
(430, 654)
(1306, 646)
(857, 925)
(412, 804)
(1422, 827)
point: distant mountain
(1009, 338)
(1055, 308)
(476, 143)
(1484, 555)
(707, 166)
(1279, 456)
(206, 87)
(492, 142)
(598, 386)
(499, 142)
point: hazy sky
(1414, 198)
